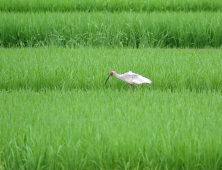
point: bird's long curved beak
(107, 79)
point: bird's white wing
(128, 77)
(130, 72)
(141, 80)
(133, 78)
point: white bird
(130, 78)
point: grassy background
(68, 68)
(108, 129)
(196, 30)
(109, 5)
(56, 112)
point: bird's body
(130, 78)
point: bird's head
(111, 73)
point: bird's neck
(116, 75)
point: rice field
(126, 29)
(55, 111)
(108, 129)
(69, 68)
(109, 5)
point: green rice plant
(193, 30)
(110, 6)
(87, 68)
(110, 129)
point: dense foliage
(109, 5)
(195, 24)
(56, 113)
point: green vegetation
(55, 111)
(68, 68)
(108, 129)
(109, 5)
(112, 29)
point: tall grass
(110, 6)
(106, 29)
(108, 129)
(88, 68)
